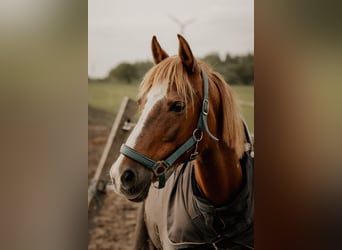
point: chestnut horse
(187, 159)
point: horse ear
(158, 53)
(185, 54)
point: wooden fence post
(121, 128)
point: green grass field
(245, 95)
(108, 96)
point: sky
(121, 30)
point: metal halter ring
(194, 155)
(198, 139)
(160, 168)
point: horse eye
(177, 107)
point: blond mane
(172, 69)
(232, 125)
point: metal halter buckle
(194, 155)
(205, 107)
(159, 172)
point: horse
(188, 160)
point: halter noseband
(159, 168)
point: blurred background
(48, 59)
(119, 36)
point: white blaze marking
(155, 94)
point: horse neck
(218, 173)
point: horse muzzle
(130, 179)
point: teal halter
(159, 168)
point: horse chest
(154, 217)
(166, 212)
(171, 214)
(175, 219)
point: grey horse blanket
(179, 217)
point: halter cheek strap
(160, 168)
(202, 121)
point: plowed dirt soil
(112, 226)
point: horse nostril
(128, 179)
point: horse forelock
(172, 71)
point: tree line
(234, 69)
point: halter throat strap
(160, 168)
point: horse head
(171, 103)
